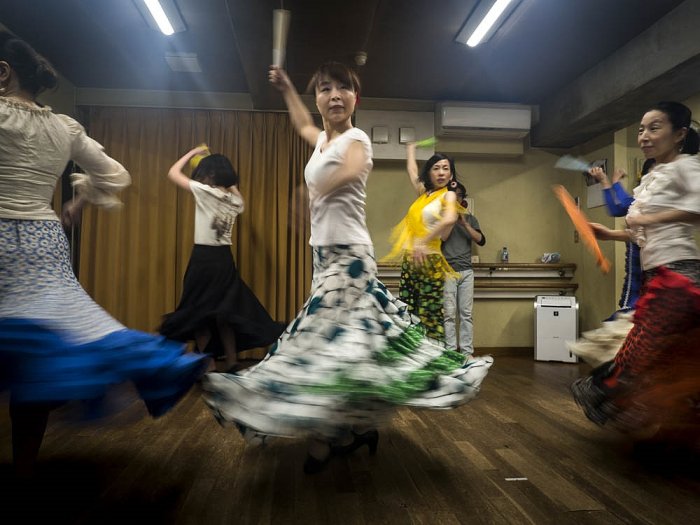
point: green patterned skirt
(352, 353)
(422, 287)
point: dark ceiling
(541, 48)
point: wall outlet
(575, 236)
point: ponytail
(691, 144)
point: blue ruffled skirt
(58, 345)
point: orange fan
(581, 224)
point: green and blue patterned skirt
(353, 352)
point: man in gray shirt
(459, 291)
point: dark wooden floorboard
(522, 453)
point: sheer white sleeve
(104, 177)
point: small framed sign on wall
(594, 196)
(600, 163)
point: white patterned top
(215, 214)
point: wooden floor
(521, 453)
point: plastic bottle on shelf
(504, 255)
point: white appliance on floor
(556, 321)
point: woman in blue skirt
(56, 344)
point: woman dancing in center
(353, 351)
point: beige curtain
(132, 260)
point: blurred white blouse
(35, 147)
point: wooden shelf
(524, 285)
(525, 266)
(506, 280)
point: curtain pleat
(132, 260)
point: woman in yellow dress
(418, 237)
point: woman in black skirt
(217, 309)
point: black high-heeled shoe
(369, 438)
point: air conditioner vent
(183, 62)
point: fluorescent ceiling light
(494, 13)
(484, 20)
(159, 16)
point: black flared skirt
(213, 293)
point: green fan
(426, 143)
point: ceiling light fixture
(159, 16)
(162, 15)
(481, 24)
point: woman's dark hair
(424, 176)
(335, 71)
(680, 117)
(34, 72)
(457, 186)
(215, 170)
(646, 168)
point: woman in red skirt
(652, 387)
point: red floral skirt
(654, 379)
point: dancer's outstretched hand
(618, 175)
(598, 174)
(278, 78)
(601, 232)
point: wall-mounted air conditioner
(467, 119)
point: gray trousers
(459, 297)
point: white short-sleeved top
(35, 147)
(675, 185)
(215, 213)
(338, 217)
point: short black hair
(215, 169)
(335, 71)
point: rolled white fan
(280, 29)
(567, 162)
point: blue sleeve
(619, 202)
(624, 198)
(610, 200)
